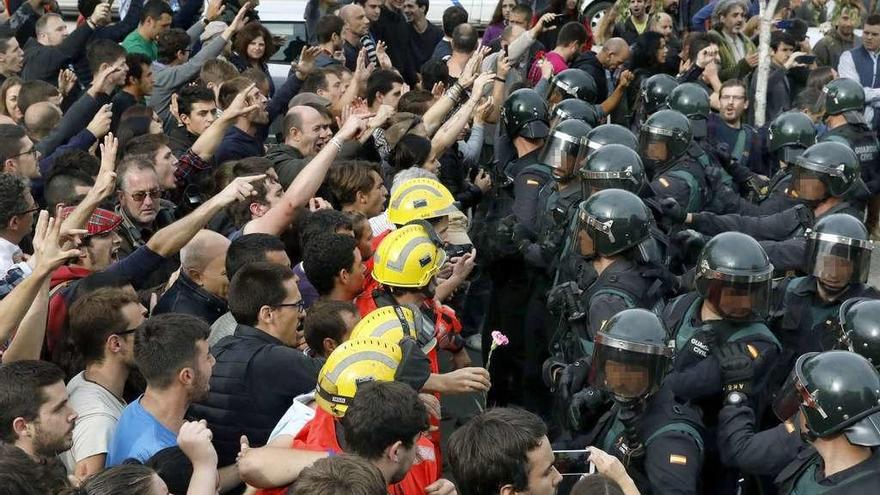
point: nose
(148, 200)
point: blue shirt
(138, 435)
(236, 145)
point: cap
(456, 234)
(101, 221)
(307, 98)
(213, 29)
(399, 125)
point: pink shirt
(559, 65)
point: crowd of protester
(607, 237)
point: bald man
(464, 43)
(305, 132)
(40, 118)
(356, 26)
(201, 286)
(602, 65)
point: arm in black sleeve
(279, 103)
(24, 21)
(672, 463)
(118, 31)
(788, 254)
(776, 227)
(763, 453)
(75, 119)
(137, 266)
(75, 44)
(602, 308)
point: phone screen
(573, 462)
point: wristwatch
(735, 399)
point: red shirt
(320, 434)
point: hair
(522, 9)
(95, 317)
(781, 37)
(104, 51)
(165, 344)
(256, 285)
(819, 77)
(734, 83)
(132, 163)
(416, 101)
(41, 118)
(324, 320)
(10, 141)
(80, 160)
(61, 184)
(230, 89)
(136, 63)
(4, 88)
(572, 32)
(452, 18)
(497, 16)
(250, 248)
(249, 33)
(491, 450)
(256, 76)
(340, 475)
(809, 100)
(153, 9)
(240, 211)
(134, 122)
(346, 179)
(325, 256)
(433, 71)
(190, 95)
(381, 81)
(131, 479)
(315, 81)
(87, 7)
(21, 392)
(696, 42)
(327, 26)
(13, 192)
(146, 145)
(596, 484)
(22, 475)
(381, 414)
(174, 467)
(321, 222)
(217, 71)
(872, 20)
(724, 7)
(644, 53)
(34, 92)
(40, 25)
(465, 38)
(411, 151)
(170, 42)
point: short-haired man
(196, 111)
(200, 289)
(305, 133)
(53, 49)
(17, 214)
(348, 474)
(315, 224)
(358, 186)
(423, 33)
(138, 85)
(329, 37)
(328, 324)
(102, 326)
(503, 450)
(384, 87)
(860, 64)
(35, 415)
(845, 19)
(357, 25)
(728, 124)
(155, 19)
(11, 55)
(630, 27)
(782, 57)
(465, 41)
(453, 17)
(572, 37)
(172, 354)
(17, 152)
(246, 396)
(335, 267)
(153, 149)
(614, 53)
(325, 83)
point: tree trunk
(763, 69)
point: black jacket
(589, 63)
(188, 298)
(43, 62)
(254, 381)
(288, 163)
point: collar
(7, 248)
(201, 293)
(255, 333)
(810, 287)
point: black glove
(690, 242)
(585, 406)
(522, 235)
(759, 185)
(737, 367)
(559, 298)
(572, 379)
(673, 211)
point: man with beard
(102, 325)
(631, 26)
(171, 351)
(739, 56)
(34, 413)
(305, 133)
(840, 39)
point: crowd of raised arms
(561, 253)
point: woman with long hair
(499, 21)
(9, 98)
(251, 48)
(648, 57)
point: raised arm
(448, 133)
(105, 184)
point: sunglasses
(140, 196)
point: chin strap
(630, 448)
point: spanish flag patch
(663, 182)
(532, 182)
(678, 459)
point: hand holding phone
(573, 462)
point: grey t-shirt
(98, 410)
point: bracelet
(336, 142)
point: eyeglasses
(32, 151)
(25, 212)
(130, 330)
(732, 98)
(299, 305)
(140, 196)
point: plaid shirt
(187, 165)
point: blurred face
(365, 240)
(11, 101)
(543, 476)
(140, 197)
(334, 87)
(585, 244)
(406, 457)
(733, 104)
(637, 8)
(118, 76)
(354, 279)
(372, 8)
(103, 250)
(834, 272)
(213, 278)
(411, 11)
(375, 201)
(656, 150)
(506, 7)
(256, 48)
(274, 191)
(54, 33)
(626, 380)
(145, 83)
(313, 134)
(662, 51)
(155, 27)
(735, 302)
(346, 80)
(134, 315)
(871, 37)
(52, 430)
(783, 52)
(617, 57)
(204, 365)
(166, 164)
(12, 59)
(733, 21)
(397, 4)
(288, 318)
(202, 115)
(392, 97)
(808, 186)
(358, 23)
(846, 23)
(26, 218)
(259, 116)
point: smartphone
(784, 24)
(573, 462)
(805, 59)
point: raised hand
(66, 80)
(48, 239)
(382, 55)
(101, 15)
(352, 127)
(239, 189)
(105, 183)
(194, 439)
(242, 105)
(100, 124)
(215, 10)
(306, 63)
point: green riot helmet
(631, 355)
(613, 166)
(825, 169)
(844, 96)
(734, 275)
(789, 135)
(836, 392)
(655, 92)
(664, 137)
(524, 114)
(612, 134)
(838, 252)
(859, 320)
(573, 108)
(566, 148)
(571, 83)
(610, 222)
(693, 101)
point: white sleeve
(297, 415)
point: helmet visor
(626, 179)
(654, 148)
(838, 261)
(699, 127)
(627, 369)
(795, 394)
(807, 185)
(556, 94)
(737, 300)
(564, 153)
(582, 243)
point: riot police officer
(612, 134)
(573, 108)
(648, 97)
(571, 83)
(664, 141)
(611, 166)
(659, 441)
(859, 322)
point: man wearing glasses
(18, 153)
(140, 205)
(17, 209)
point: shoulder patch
(663, 182)
(678, 459)
(532, 182)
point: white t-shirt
(298, 414)
(98, 412)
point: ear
(186, 376)
(257, 209)
(195, 275)
(393, 451)
(329, 345)
(114, 343)
(9, 166)
(379, 97)
(360, 197)
(265, 314)
(20, 427)
(343, 275)
(507, 490)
